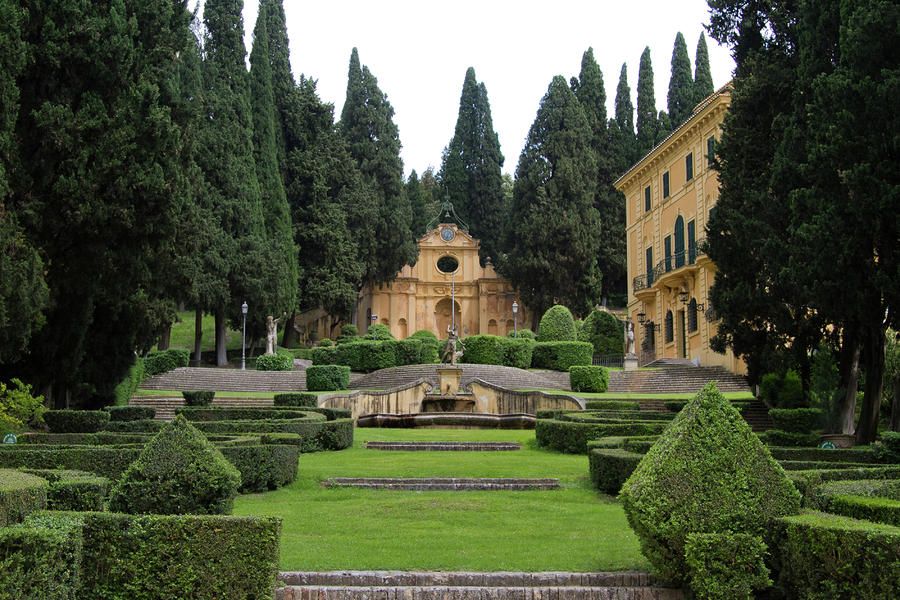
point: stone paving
(454, 484)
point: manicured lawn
(571, 529)
(183, 333)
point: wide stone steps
(445, 446)
(675, 379)
(227, 380)
(757, 415)
(441, 484)
(165, 406)
(507, 377)
(394, 585)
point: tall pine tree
(471, 170)
(623, 146)
(228, 164)
(419, 203)
(551, 241)
(647, 124)
(373, 140)
(281, 277)
(681, 85)
(703, 82)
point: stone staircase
(165, 406)
(675, 379)
(757, 414)
(444, 484)
(507, 377)
(395, 585)
(227, 380)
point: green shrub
(781, 391)
(560, 356)
(707, 473)
(165, 361)
(797, 420)
(572, 437)
(483, 350)
(325, 378)
(850, 455)
(76, 421)
(776, 437)
(588, 378)
(557, 325)
(605, 333)
(102, 460)
(198, 397)
(331, 414)
(19, 409)
(105, 556)
(524, 334)
(177, 472)
(349, 332)
(42, 560)
(333, 435)
(412, 352)
(828, 556)
(368, 355)
(726, 565)
(280, 361)
(101, 438)
(140, 426)
(78, 493)
(128, 386)
(323, 355)
(888, 448)
(878, 510)
(424, 334)
(326, 342)
(197, 414)
(379, 331)
(299, 399)
(20, 494)
(263, 467)
(517, 352)
(610, 468)
(612, 405)
(130, 413)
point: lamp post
(244, 337)
(515, 308)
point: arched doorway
(442, 317)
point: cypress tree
(589, 90)
(374, 143)
(281, 253)
(703, 82)
(647, 124)
(551, 241)
(23, 291)
(471, 170)
(622, 144)
(99, 181)
(681, 84)
(228, 164)
(624, 107)
(664, 126)
(282, 77)
(418, 203)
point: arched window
(679, 242)
(670, 327)
(692, 315)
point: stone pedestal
(448, 380)
(631, 362)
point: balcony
(678, 260)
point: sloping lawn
(571, 529)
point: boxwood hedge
(130, 413)
(588, 378)
(236, 414)
(296, 399)
(572, 437)
(164, 361)
(280, 361)
(560, 356)
(20, 494)
(326, 378)
(76, 421)
(611, 468)
(797, 420)
(80, 555)
(263, 467)
(726, 565)
(372, 355)
(73, 490)
(198, 397)
(557, 325)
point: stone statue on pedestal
(271, 334)
(450, 354)
(629, 337)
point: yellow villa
(447, 276)
(669, 194)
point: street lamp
(244, 337)
(515, 308)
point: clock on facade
(447, 234)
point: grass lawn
(183, 334)
(630, 396)
(571, 529)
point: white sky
(420, 50)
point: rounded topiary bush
(349, 332)
(605, 332)
(526, 334)
(483, 350)
(588, 378)
(707, 473)
(282, 361)
(178, 472)
(557, 325)
(327, 378)
(379, 331)
(198, 397)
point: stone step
(232, 380)
(430, 484)
(444, 446)
(395, 585)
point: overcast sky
(420, 50)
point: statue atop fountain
(450, 355)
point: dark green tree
(681, 84)
(281, 276)
(99, 179)
(471, 168)
(419, 204)
(647, 124)
(623, 145)
(664, 126)
(374, 143)
(228, 163)
(703, 82)
(551, 241)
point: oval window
(447, 264)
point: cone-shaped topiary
(178, 472)
(708, 473)
(557, 325)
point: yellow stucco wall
(689, 199)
